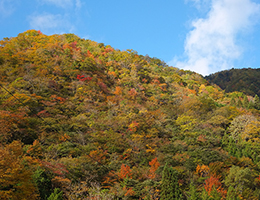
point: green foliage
(170, 186)
(257, 102)
(56, 195)
(231, 194)
(240, 180)
(43, 182)
(243, 80)
(192, 193)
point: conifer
(170, 187)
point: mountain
(243, 80)
(82, 120)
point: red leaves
(83, 78)
(107, 50)
(58, 168)
(133, 126)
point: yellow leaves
(150, 148)
(22, 98)
(186, 123)
(57, 70)
(143, 111)
(211, 91)
(202, 89)
(252, 131)
(137, 137)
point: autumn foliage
(83, 120)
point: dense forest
(82, 120)
(243, 80)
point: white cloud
(7, 7)
(64, 3)
(212, 43)
(50, 23)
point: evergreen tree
(43, 183)
(231, 194)
(245, 102)
(232, 101)
(257, 102)
(251, 104)
(239, 103)
(193, 195)
(170, 187)
(56, 195)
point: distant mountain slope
(242, 80)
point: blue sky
(205, 36)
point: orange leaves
(154, 166)
(118, 91)
(110, 179)
(35, 149)
(89, 54)
(113, 74)
(202, 170)
(97, 155)
(213, 182)
(125, 171)
(64, 138)
(107, 50)
(57, 99)
(128, 192)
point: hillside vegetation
(82, 120)
(243, 80)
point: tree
(192, 194)
(257, 102)
(232, 101)
(213, 186)
(231, 194)
(170, 187)
(15, 175)
(56, 195)
(239, 103)
(241, 181)
(245, 102)
(43, 183)
(154, 166)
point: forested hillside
(82, 120)
(243, 80)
